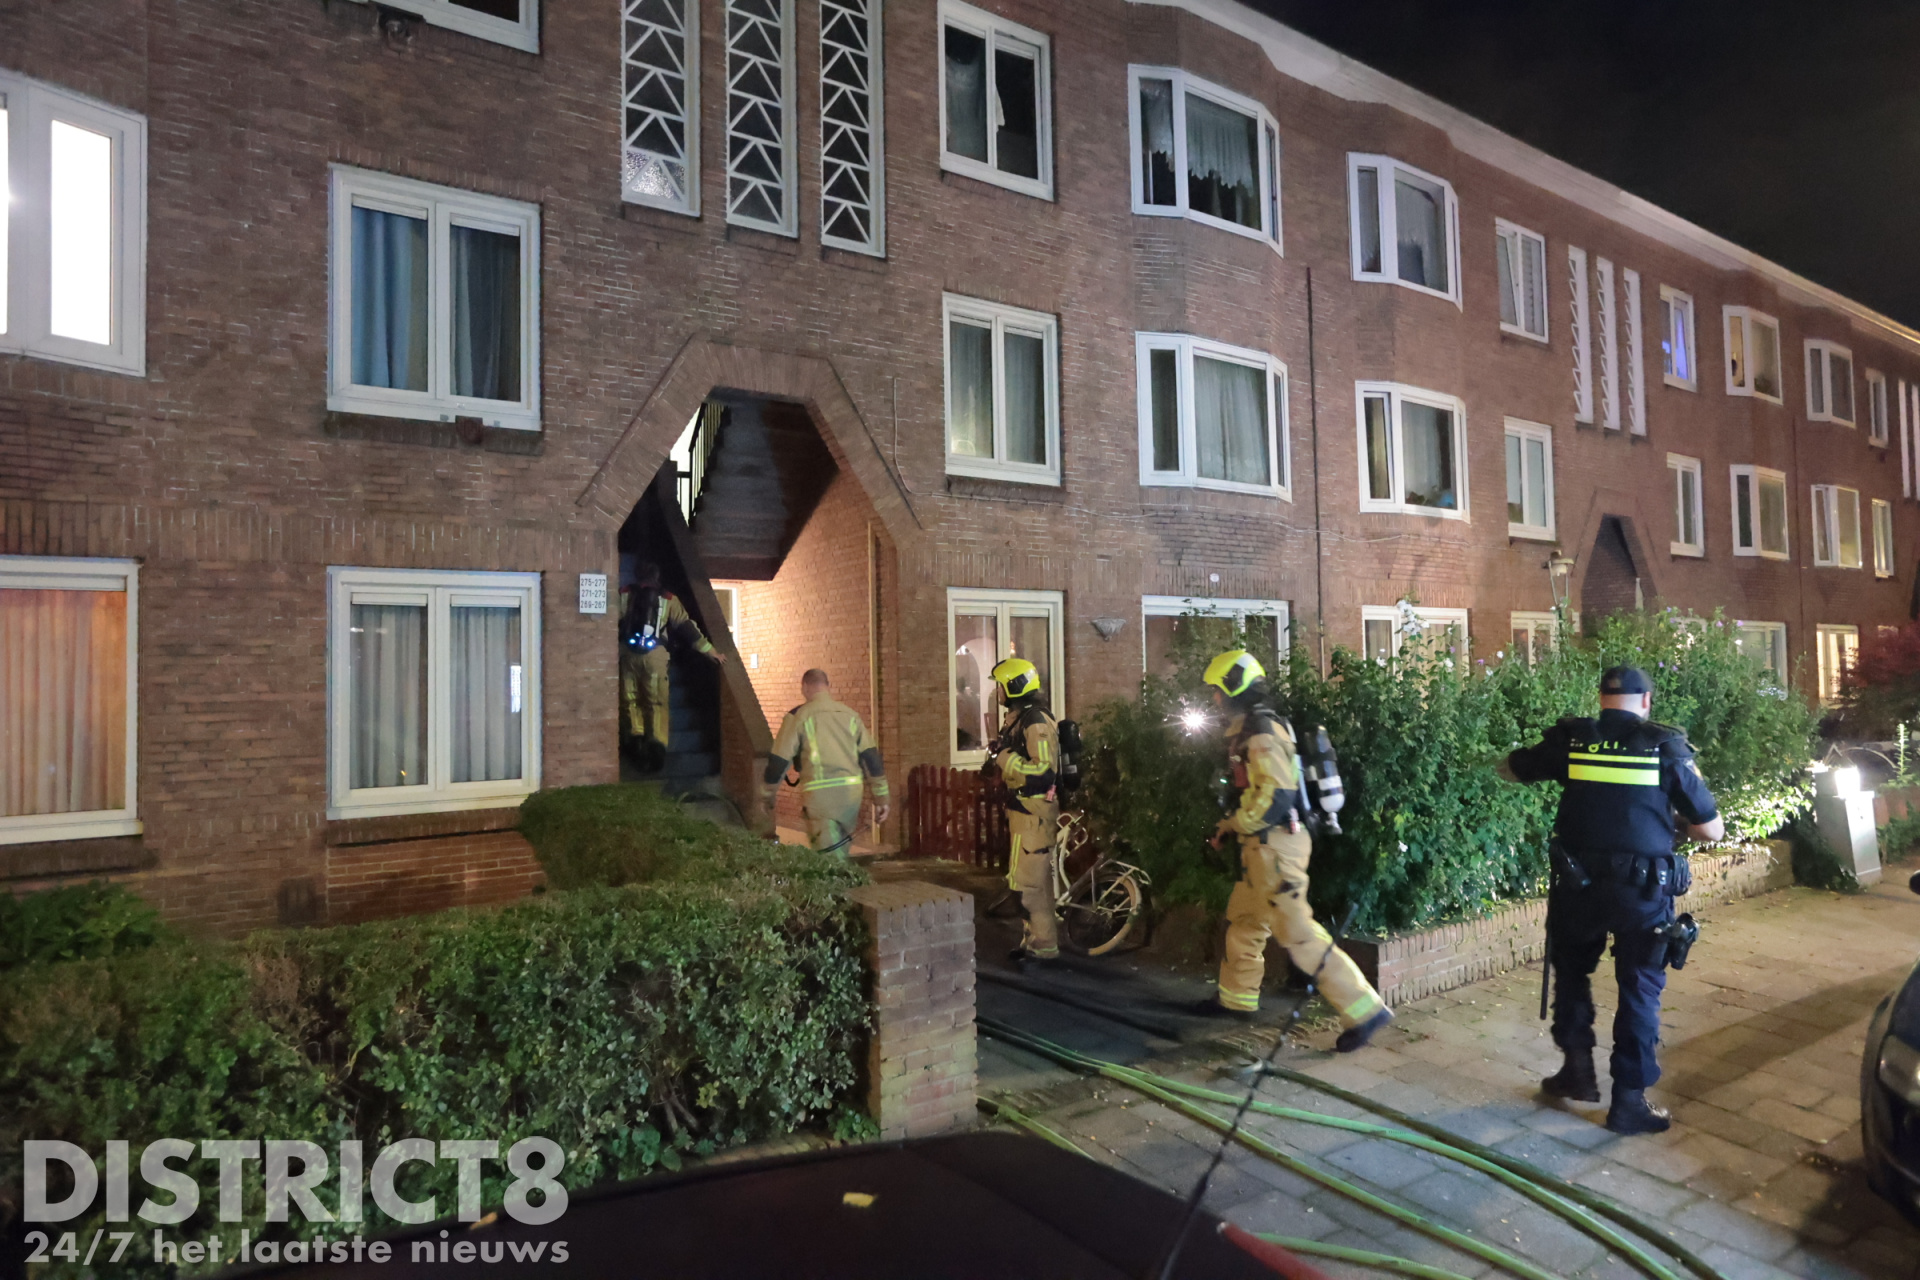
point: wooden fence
(956, 814)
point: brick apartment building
(344, 344)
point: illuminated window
(1412, 451)
(1676, 338)
(1753, 354)
(1689, 526)
(1759, 512)
(984, 627)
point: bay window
(67, 705)
(985, 627)
(1384, 629)
(73, 228)
(1406, 226)
(995, 122)
(1829, 382)
(433, 690)
(1836, 527)
(1211, 416)
(1204, 152)
(1412, 450)
(1003, 392)
(1759, 512)
(1765, 643)
(1753, 354)
(435, 302)
(1177, 627)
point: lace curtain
(63, 701)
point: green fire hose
(1581, 1208)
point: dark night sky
(1792, 127)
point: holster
(1679, 936)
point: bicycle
(1099, 907)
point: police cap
(1625, 680)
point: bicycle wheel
(1101, 911)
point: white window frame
(1751, 320)
(1052, 605)
(1755, 476)
(439, 590)
(993, 29)
(1535, 624)
(1819, 356)
(1678, 465)
(1882, 538)
(868, 12)
(1395, 613)
(1396, 392)
(1607, 330)
(524, 34)
(1580, 307)
(1512, 237)
(26, 301)
(1280, 611)
(1776, 634)
(788, 184)
(1829, 523)
(635, 161)
(64, 573)
(1389, 272)
(1877, 414)
(1522, 430)
(1676, 313)
(1633, 374)
(1267, 162)
(442, 207)
(1827, 637)
(1002, 318)
(1186, 347)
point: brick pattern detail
(922, 1058)
(381, 881)
(1413, 966)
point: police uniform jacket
(1622, 778)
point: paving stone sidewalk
(1760, 1174)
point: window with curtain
(1405, 226)
(434, 689)
(1412, 451)
(1520, 259)
(1211, 416)
(994, 94)
(1839, 647)
(1882, 538)
(986, 627)
(1204, 152)
(436, 294)
(1765, 643)
(1676, 337)
(74, 228)
(67, 654)
(1529, 480)
(1385, 629)
(1002, 373)
(1836, 527)
(1753, 354)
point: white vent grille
(660, 42)
(852, 186)
(760, 115)
(1581, 331)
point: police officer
(1270, 899)
(650, 616)
(1615, 872)
(1028, 751)
(826, 739)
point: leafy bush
(1881, 690)
(631, 1024)
(76, 922)
(1430, 833)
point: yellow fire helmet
(1233, 671)
(1017, 677)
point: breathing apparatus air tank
(1322, 771)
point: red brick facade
(222, 472)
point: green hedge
(1430, 833)
(716, 1004)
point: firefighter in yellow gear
(835, 755)
(650, 616)
(1270, 899)
(1027, 754)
